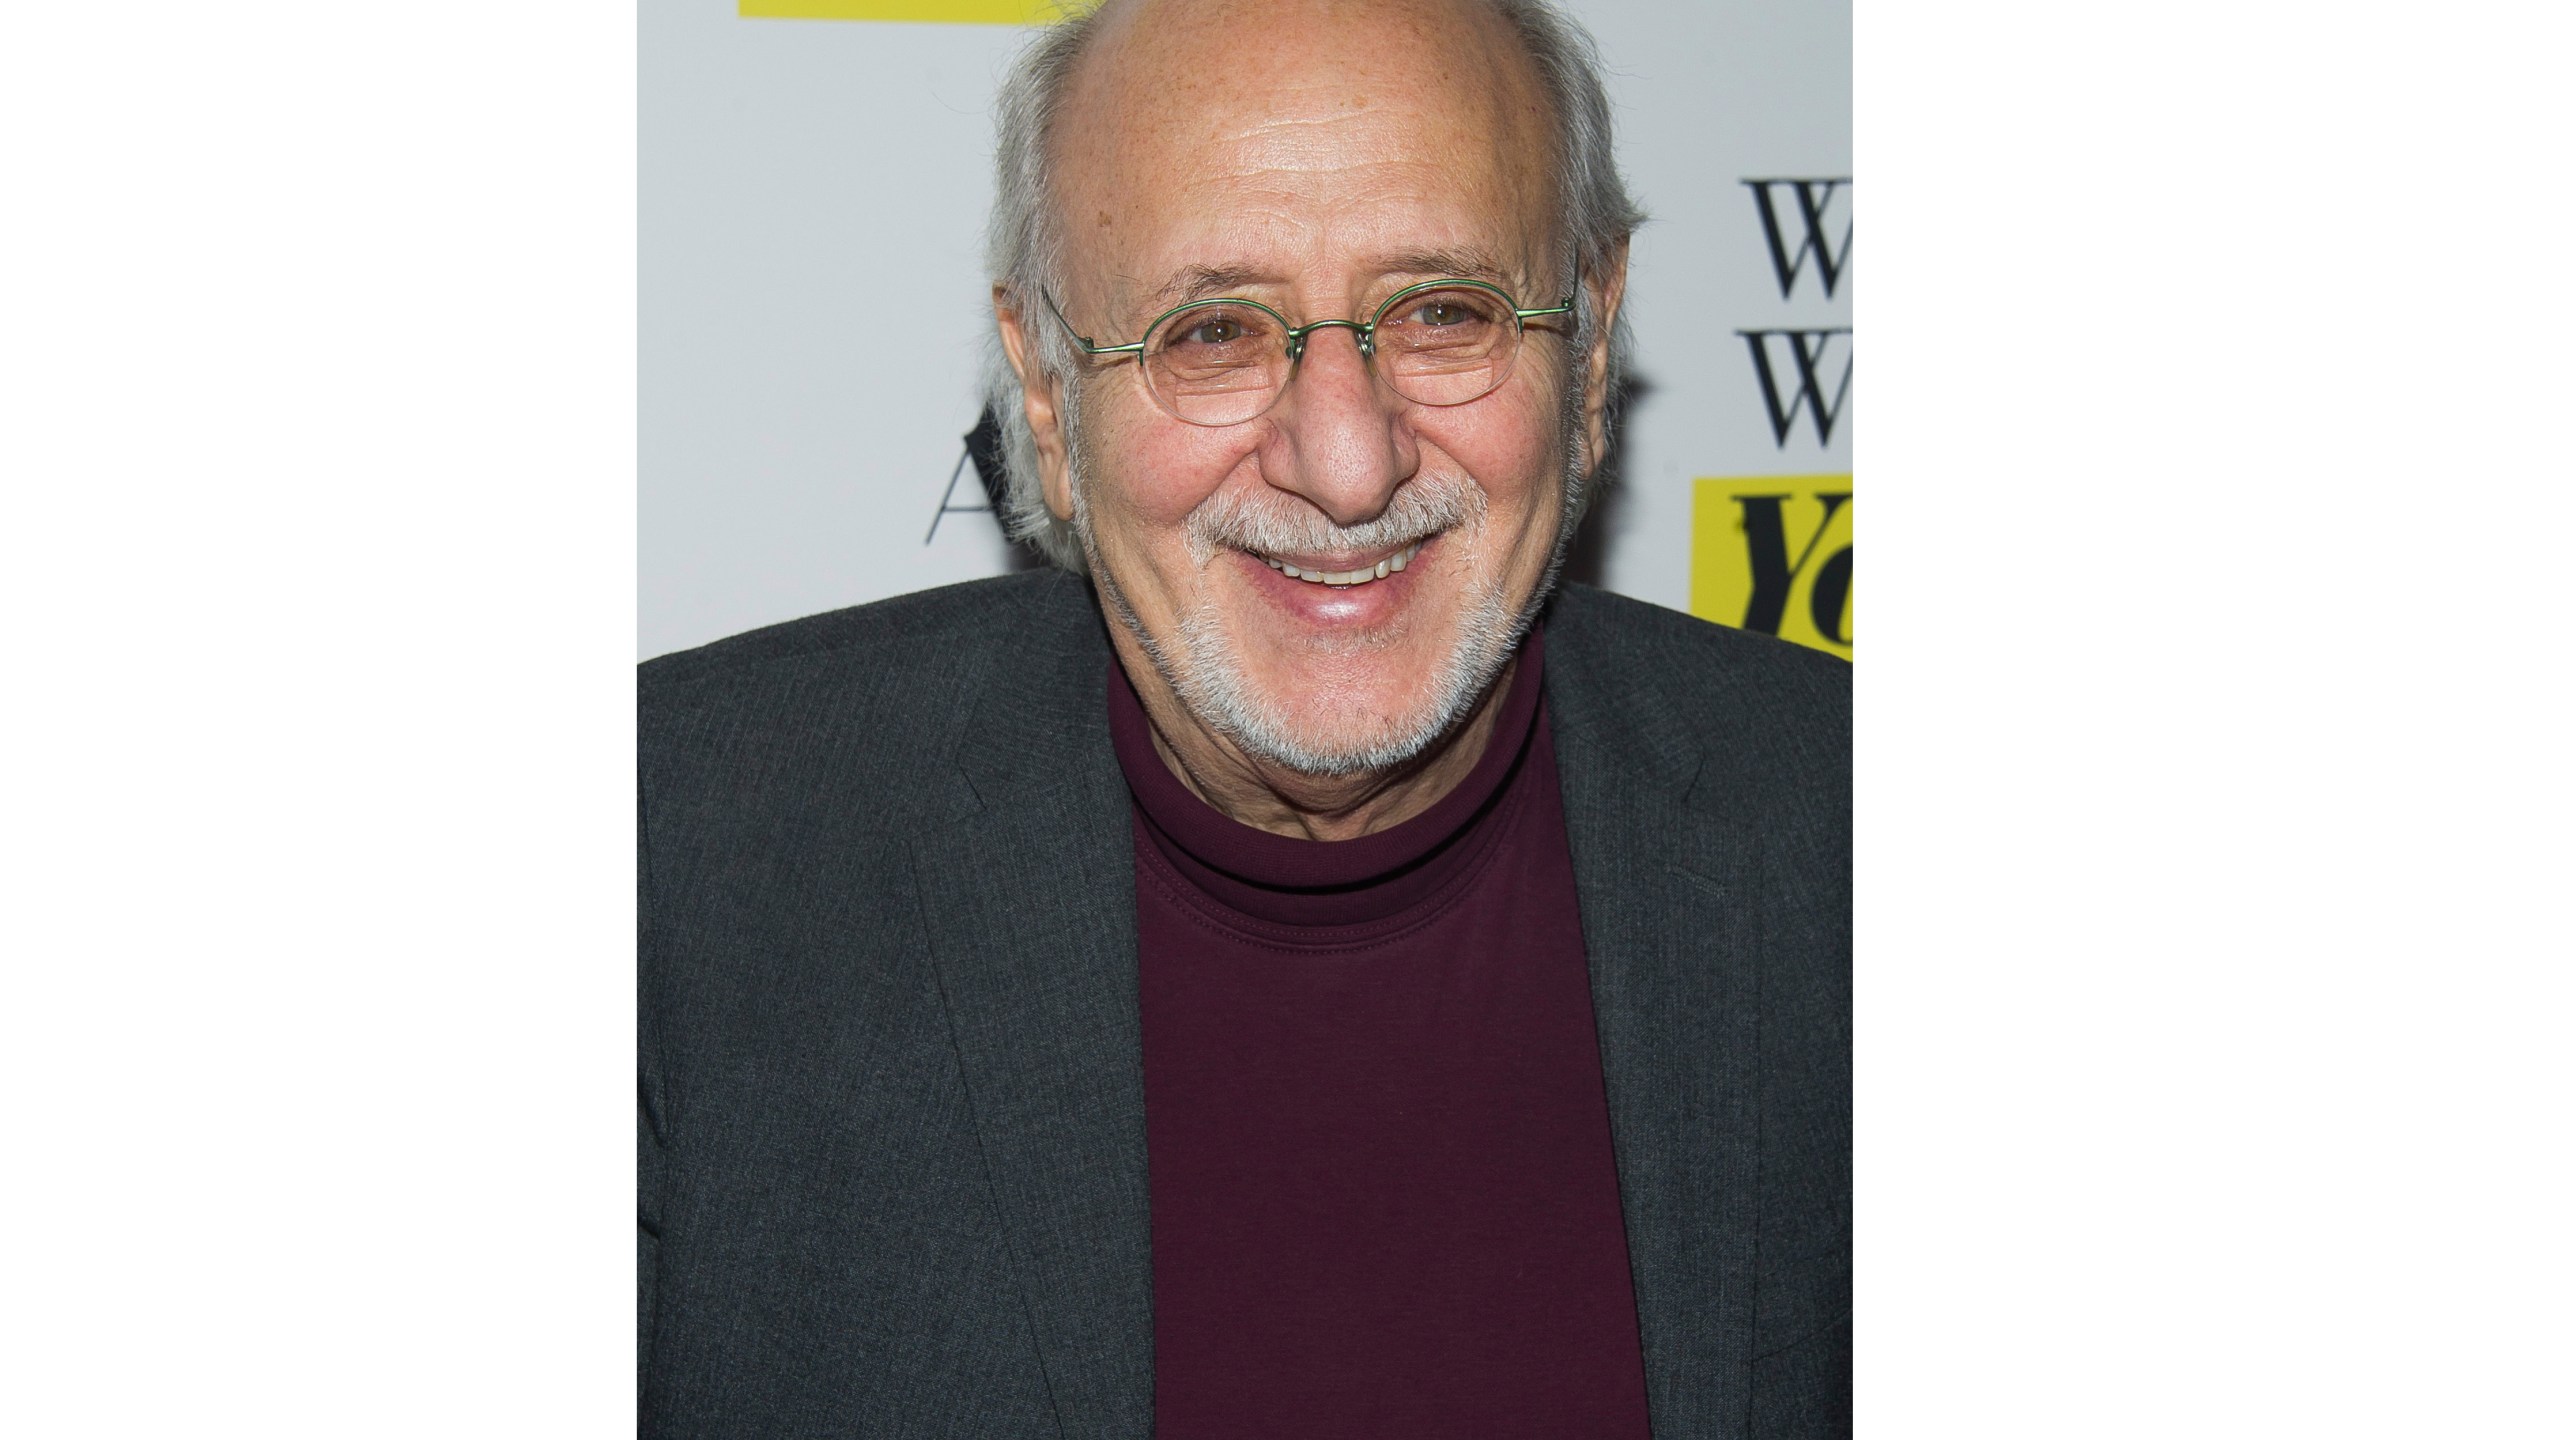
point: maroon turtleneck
(1384, 1199)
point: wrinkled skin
(1314, 157)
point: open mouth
(1340, 578)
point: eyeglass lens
(1221, 363)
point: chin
(1369, 706)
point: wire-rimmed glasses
(1225, 361)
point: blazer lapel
(1029, 895)
(1660, 884)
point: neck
(1270, 797)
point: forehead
(1297, 142)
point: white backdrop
(812, 307)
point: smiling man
(1287, 968)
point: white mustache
(1268, 524)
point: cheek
(1513, 451)
(1157, 470)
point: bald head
(1212, 139)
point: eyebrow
(1201, 282)
(1463, 263)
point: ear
(1602, 288)
(1039, 406)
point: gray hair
(1023, 249)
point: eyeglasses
(1223, 362)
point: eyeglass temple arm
(1089, 347)
(1564, 309)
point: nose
(1339, 438)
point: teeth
(1380, 571)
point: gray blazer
(893, 1165)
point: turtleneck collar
(1285, 881)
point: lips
(1339, 578)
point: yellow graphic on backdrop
(1771, 553)
(948, 12)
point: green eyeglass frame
(1364, 333)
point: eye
(1211, 330)
(1221, 348)
(1219, 331)
(1438, 316)
(1451, 324)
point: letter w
(1810, 207)
(1808, 393)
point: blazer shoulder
(962, 617)
(1793, 684)
(883, 688)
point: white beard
(1336, 737)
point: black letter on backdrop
(1830, 598)
(982, 447)
(1773, 575)
(1817, 239)
(1826, 410)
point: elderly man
(1286, 969)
